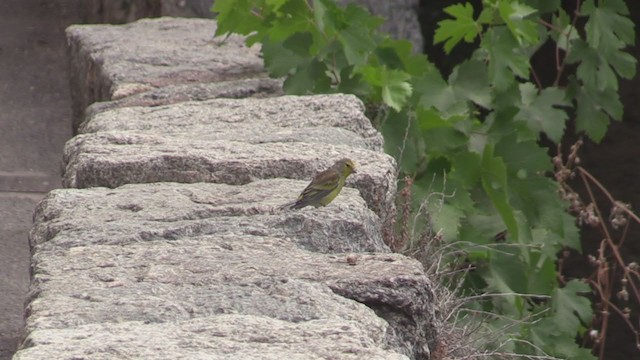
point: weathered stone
(169, 211)
(112, 159)
(112, 62)
(257, 118)
(243, 88)
(220, 337)
(110, 264)
(211, 275)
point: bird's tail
(288, 206)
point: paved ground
(34, 124)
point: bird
(325, 186)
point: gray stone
(213, 338)
(219, 118)
(112, 159)
(243, 88)
(205, 276)
(112, 62)
(112, 265)
(169, 211)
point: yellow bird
(325, 186)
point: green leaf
(357, 45)
(494, 183)
(608, 33)
(396, 92)
(623, 63)
(593, 122)
(545, 6)
(481, 228)
(400, 135)
(505, 58)
(278, 60)
(537, 198)
(399, 55)
(568, 33)
(451, 32)
(593, 69)
(540, 110)
(434, 92)
(470, 81)
(466, 169)
(513, 14)
(276, 4)
(446, 218)
(545, 335)
(394, 86)
(320, 10)
(505, 273)
(428, 119)
(523, 159)
(299, 43)
(570, 307)
(308, 78)
(444, 140)
(541, 274)
(235, 16)
(594, 110)
(606, 28)
(569, 235)
(283, 26)
(352, 83)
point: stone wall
(168, 241)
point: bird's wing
(321, 185)
(327, 179)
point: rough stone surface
(112, 159)
(113, 265)
(166, 211)
(264, 118)
(220, 337)
(243, 88)
(112, 62)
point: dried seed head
(623, 295)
